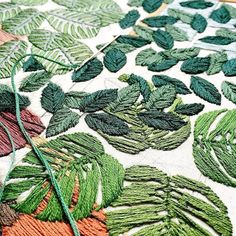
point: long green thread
(35, 149)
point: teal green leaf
(197, 4)
(161, 120)
(29, 2)
(107, 123)
(214, 147)
(224, 32)
(8, 10)
(24, 22)
(205, 90)
(161, 98)
(143, 32)
(216, 62)
(163, 65)
(159, 21)
(62, 120)
(163, 39)
(180, 87)
(217, 40)
(229, 68)
(151, 5)
(98, 100)
(189, 109)
(229, 91)
(114, 60)
(180, 15)
(196, 65)
(35, 81)
(199, 23)
(88, 71)
(134, 41)
(32, 65)
(129, 19)
(177, 33)
(73, 99)
(221, 15)
(10, 52)
(52, 98)
(167, 205)
(148, 56)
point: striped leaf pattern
(29, 2)
(8, 10)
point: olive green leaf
(169, 205)
(159, 21)
(8, 10)
(196, 65)
(229, 91)
(189, 109)
(221, 15)
(229, 68)
(163, 39)
(196, 4)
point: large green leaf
(214, 148)
(79, 162)
(165, 205)
(10, 52)
(8, 10)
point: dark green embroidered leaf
(180, 15)
(180, 87)
(229, 68)
(148, 56)
(166, 206)
(126, 97)
(114, 60)
(151, 5)
(189, 109)
(61, 121)
(221, 15)
(196, 4)
(52, 98)
(177, 33)
(32, 65)
(143, 32)
(205, 90)
(129, 19)
(216, 62)
(35, 81)
(161, 120)
(217, 40)
(164, 65)
(159, 21)
(196, 65)
(163, 39)
(229, 91)
(107, 123)
(134, 41)
(98, 100)
(161, 98)
(73, 99)
(199, 23)
(126, 48)
(88, 71)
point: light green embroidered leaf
(231, 10)
(143, 32)
(135, 3)
(52, 98)
(35, 81)
(214, 148)
(169, 205)
(61, 121)
(29, 2)
(24, 22)
(181, 15)
(177, 33)
(77, 159)
(216, 62)
(224, 32)
(73, 99)
(8, 10)
(229, 91)
(10, 52)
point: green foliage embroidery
(196, 4)
(199, 23)
(229, 68)
(180, 15)
(216, 62)
(163, 65)
(32, 65)
(196, 65)
(8, 10)
(221, 15)
(226, 33)
(177, 33)
(151, 5)
(29, 2)
(163, 39)
(189, 109)
(217, 40)
(143, 32)
(159, 21)
(229, 91)
(73, 99)
(130, 19)
(134, 41)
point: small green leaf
(73, 99)
(216, 62)
(196, 65)
(159, 21)
(52, 98)
(163, 39)
(189, 109)
(107, 123)
(148, 56)
(180, 15)
(130, 19)
(229, 68)
(61, 121)
(134, 41)
(35, 81)
(32, 65)
(221, 15)
(143, 32)
(177, 33)
(199, 23)
(196, 4)
(217, 40)
(151, 5)
(205, 90)
(163, 65)
(224, 32)
(135, 3)
(114, 60)
(229, 91)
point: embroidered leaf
(126, 48)
(88, 71)
(148, 56)
(163, 39)
(79, 163)
(107, 123)
(180, 15)
(114, 60)
(189, 109)
(32, 65)
(163, 65)
(216, 62)
(229, 68)
(196, 4)
(61, 121)
(229, 91)
(214, 146)
(73, 99)
(196, 65)
(180, 87)
(161, 98)
(29, 2)
(221, 15)
(135, 3)
(161, 120)
(217, 40)
(199, 23)
(226, 33)
(10, 52)
(98, 100)
(177, 33)
(159, 21)
(8, 10)
(134, 41)
(172, 205)
(205, 90)
(24, 22)
(52, 98)
(130, 19)
(35, 81)
(231, 10)
(143, 32)
(126, 97)
(151, 5)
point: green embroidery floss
(130, 19)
